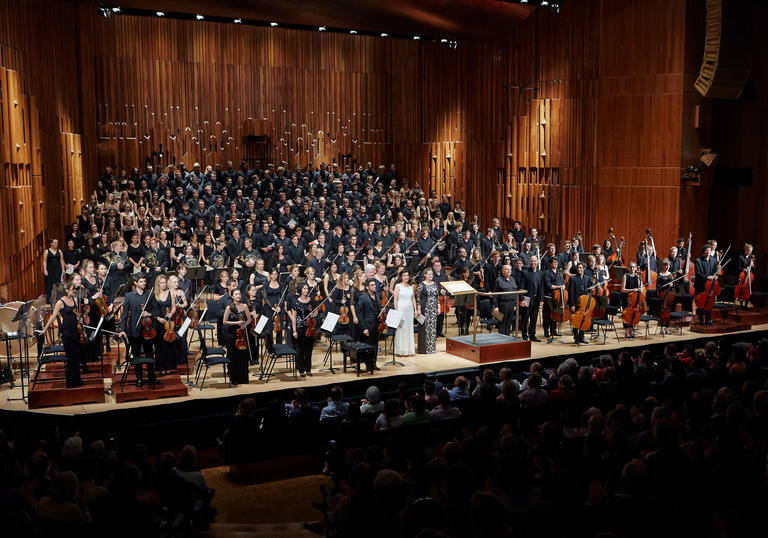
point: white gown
(404, 344)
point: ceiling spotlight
(453, 44)
(523, 1)
(199, 17)
(443, 40)
(106, 13)
(115, 10)
(238, 21)
(321, 28)
(416, 37)
(273, 24)
(544, 3)
(384, 34)
(353, 32)
(159, 13)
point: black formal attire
(303, 344)
(505, 303)
(129, 324)
(165, 354)
(533, 282)
(442, 277)
(577, 286)
(238, 358)
(458, 265)
(551, 278)
(70, 339)
(632, 282)
(367, 309)
(53, 266)
(704, 268)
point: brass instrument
(191, 261)
(217, 259)
(150, 261)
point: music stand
(393, 320)
(329, 326)
(21, 334)
(195, 275)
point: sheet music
(394, 318)
(329, 324)
(420, 319)
(261, 324)
(184, 327)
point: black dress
(303, 344)
(53, 266)
(238, 358)
(70, 338)
(341, 297)
(165, 352)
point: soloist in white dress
(404, 333)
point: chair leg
(205, 374)
(37, 374)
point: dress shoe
(309, 374)
(155, 382)
(140, 383)
(583, 340)
(534, 339)
(556, 334)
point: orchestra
(294, 246)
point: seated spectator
(504, 374)
(509, 394)
(533, 395)
(391, 417)
(564, 391)
(537, 369)
(302, 411)
(444, 411)
(276, 414)
(335, 408)
(372, 402)
(486, 389)
(186, 468)
(430, 398)
(59, 505)
(418, 413)
(459, 391)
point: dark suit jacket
(367, 313)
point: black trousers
(73, 349)
(372, 339)
(440, 322)
(304, 346)
(550, 326)
(507, 308)
(143, 348)
(529, 316)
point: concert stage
(488, 347)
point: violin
(344, 313)
(743, 289)
(319, 299)
(276, 323)
(170, 327)
(311, 331)
(148, 331)
(582, 318)
(241, 337)
(102, 308)
(636, 307)
(178, 318)
(560, 313)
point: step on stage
(489, 347)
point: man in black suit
(367, 310)
(157, 263)
(135, 307)
(533, 282)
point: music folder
(458, 287)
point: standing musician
(300, 311)
(119, 269)
(163, 307)
(747, 259)
(675, 263)
(504, 304)
(248, 257)
(577, 287)
(632, 281)
(179, 295)
(237, 316)
(184, 284)
(440, 276)
(663, 284)
(155, 260)
(342, 297)
(273, 301)
(133, 304)
(533, 282)
(254, 299)
(488, 243)
(706, 270)
(463, 303)
(368, 309)
(552, 281)
(66, 306)
(491, 270)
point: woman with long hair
(300, 312)
(164, 306)
(237, 316)
(404, 301)
(66, 307)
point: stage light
(416, 38)
(159, 13)
(523, 1)
(238, 21)
(116, 10)
(544, 3)
(353, 32)
(273, 24)
(384, 34)
(443, 40)
(105, 12)
(321, 28)
(199, 17)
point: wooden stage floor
(217, 387)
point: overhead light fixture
(353, 32)
(321, 28)
(416, 37)
(106, 13)
(523, 1)
(384, 34)
(544, 3)
(443, 40)
(273, 24)
(199, 17)
(238, 21)
(159, 13)
(116, 9)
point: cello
(706, 299)
(743, 289)
(559, 312)
(615, 257)
(649, 276)
(636, 307)
(689, 271)
(582, 318)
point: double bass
(615, 257)
(689, 271)
(649, 276)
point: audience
(335, 408)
